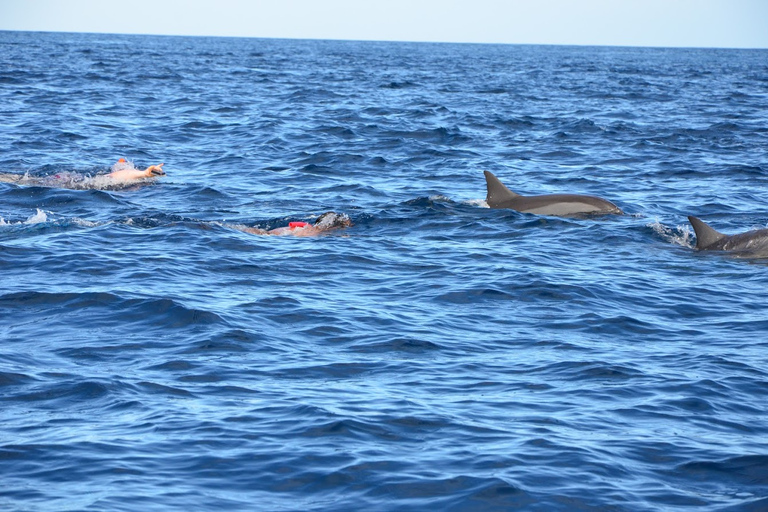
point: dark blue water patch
(14, 379)
(59, 395)
(406, 345)
(96, 310)
(50, 198)
(400, 85)
(737, 476)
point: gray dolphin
(750, 244)
(562, 205)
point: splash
(123, 164)
(85, 223)
(332, 220)
(681, 235)
(42, 217)
(477, 202)
(38, 218)
(76, 181)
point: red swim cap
(294, 225)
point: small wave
(62, 393)
(14, 379)
(201, 125)
(439, 135)
(745, 470)
(99, 308)
(582, 126)
(398, 344)
(407, 84)
(43, 217)
(430, 201)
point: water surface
(436, 354)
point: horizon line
(341, 39)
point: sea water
(438, 354)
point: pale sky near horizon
(674, 23)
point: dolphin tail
(705, 235)
(497, 192)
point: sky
(669, 23)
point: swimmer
(123, 172)
(326, 222)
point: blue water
(436, 355)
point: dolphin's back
(565, 204)
(499, 196)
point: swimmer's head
(156, 170)
(332, 220)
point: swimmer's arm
(136, 174)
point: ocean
(437, 354)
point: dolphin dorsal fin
(705, 235)
(497, 191)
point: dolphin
(750, 244)
(562, 205)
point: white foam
(477, 202)
(38, 218)
(84, 223)
(681, 235)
